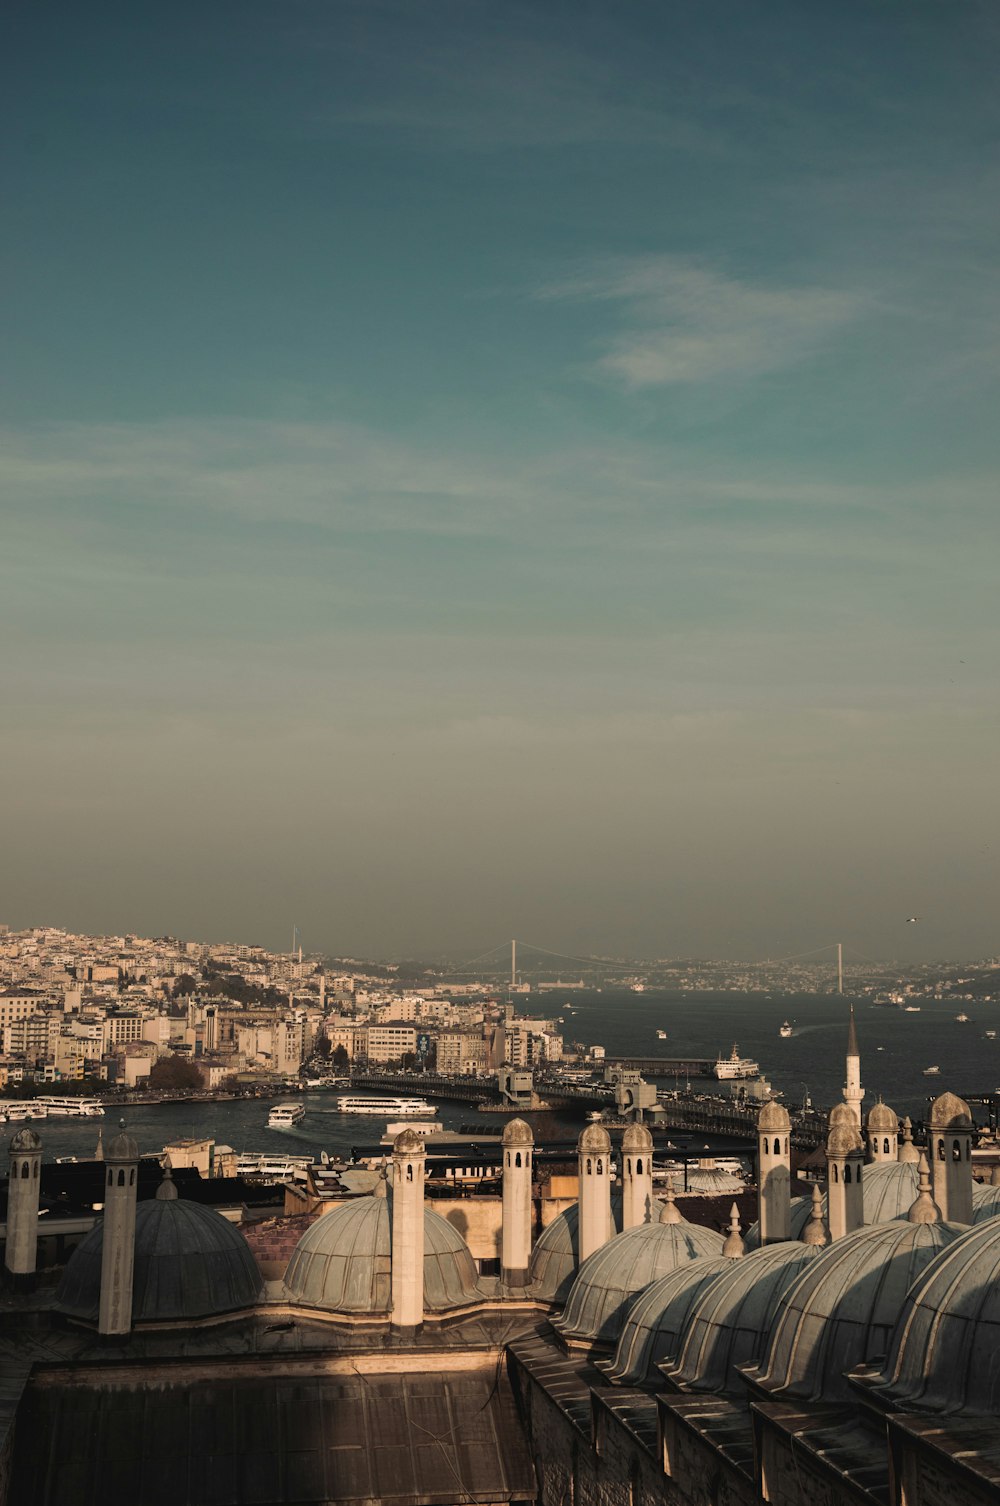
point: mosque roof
(733, 1317)
(942, 1356)
(189, 1263)
(556, 1252)
(841, 1311)
(342, 1263)
(985, 1203)
(609, 1279)
(654, 1325)
(888, 1189)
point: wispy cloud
(688, 323)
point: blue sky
(476, 470)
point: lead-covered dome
(841, 1311)
(189, 1263)
(985, 1203)
(609, 1279)
(556, 1252)
(654, 1326)
(343, 1262)
(732, 1319)
(943, 1352)
(888, 1189)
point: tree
(340, 1056)
(185, 985)
(322, 1044)
(175, 1072)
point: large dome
(189, 1263)
(731, 1322)
(943, 1354)
(841, 1311)
(343, 1262)
(985, 1203)
(610, 1278)
(556, 1252)
(654, 1325)
(888, 1189)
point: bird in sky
(912, 920)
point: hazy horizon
(472, 471)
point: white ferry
(786, 1030)
(272, 1168)
(16, 1109)
(73, 1108)
(932, 1071)
(285, 1115)
(735, 1065)
(661, 1035)
(390, 1108)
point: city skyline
(474, 474)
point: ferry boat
(391, 1108)
(285, 1115)
(661, 1035)
(785, 1030)
(991, 1035)
(735, 1065)
(932, 1071)
(271, 1168)
(963, 1019)
(16, 1109)
(912, 1009)
(73, 1108)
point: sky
(474, 470)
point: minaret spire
(853, 1091)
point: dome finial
(815, 1231)
(924, 1210)
(99, 1148)
(907, 1151)
(734, 1246)
(166, 1191)
(670, 1213)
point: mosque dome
(943, 1352)
(841, 1311)
(654, 1326)
(709, 1180)
(121, 1148)
(887, 1190)
(516, 1132)
(732, 1319)
(189, 1263)
(882, 1120)
(595, 1139)
(343, 1262)
(636, 1138)
(609, 1279)
(25, 1139)
(774, 1118)
(556, 1251)
(985, 1203)
(950, 1112)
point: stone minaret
(845, 1156)
(515, 1236)
(853, 1091)
(407, 1220)
(22, 1207)
(637, 1176)
(949, 1145)
(906, 1151)
(882, 1130)
(121, 1165)
(774, 1173)
(595, 1226)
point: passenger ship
(735, 1065)
(392, 1108)
(285, 1115)
(74, 1108)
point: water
(625, 1023)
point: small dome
(190, 1263)
(842, 1115)
(773, 1117)
(610, 1278)
(516, 1132)
(841, 1311)
(596, 1139)
(654, 1325)
(343, 1262)
(985, 1203)
(556, 1251)
(637, 1138)
(943, 1352)
(122, 1148)
(843, 1140)
(407, 1143)
(734, 1317)
(707, 1178)
(25, 1139)
(950, 1112)
(888, 1189)
(882, 1120)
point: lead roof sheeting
(410, 1440)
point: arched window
(508, 1158)
(131, 1177)
(777, 1147)
(836, 1172)
(885, 1146)
(517, 1159)
(600, 1168)
(409, 1171)
(940, 1150)
(638, 1168)
(24, 1171)
(847, 1174)
(956, 1150)
(590, 1166)
(121, 1178)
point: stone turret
(949, 1140)
(407, 1219)
(21, 1253)
(882, 1133)
(121, 1166)
(637, 1176)
(515, 1235)
(845, 1155)
(853, 1091)
(595, 1225)
(774, 1173)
